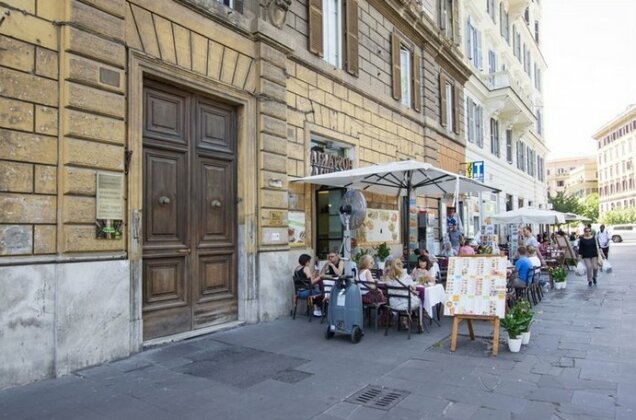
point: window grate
(378, 397)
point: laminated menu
(476, 286)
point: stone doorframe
(140, 66)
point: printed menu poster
(476, 286)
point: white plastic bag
(607, 267)
(580, 269)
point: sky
(590, 50)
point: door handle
(215, 203)
(164, 200)
(183, 251)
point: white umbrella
(401, 178)
(529, 215)
(573, 217)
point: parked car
(620, 233)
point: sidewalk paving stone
(579, 365)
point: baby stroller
(344, 314)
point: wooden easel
(457, 319)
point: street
(578, 365)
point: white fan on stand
(353, 211)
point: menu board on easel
(566, 246)
(476, 286)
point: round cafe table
(431, 296)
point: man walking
(603, 240)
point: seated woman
(369, 291)
(448, 251)
(466, 249)
(308, 283)
(534, 257)
(426, 271)
(397, 277)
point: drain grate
(378, 397)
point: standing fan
(353, 211)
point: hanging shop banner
(110, 206)
(475, 170)
(379, 226)
(413, 224)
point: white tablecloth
(432, 296)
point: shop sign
(110, 206)
(325, 163)
(475, 170)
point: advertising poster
(476, 286)
(379, 226)
(296, 228)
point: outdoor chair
(537, 292)
(371, 308)
(327, 286)
(395, 296)
(526, 292)
(301, 285)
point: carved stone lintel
(277, 11)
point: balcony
(508, 100)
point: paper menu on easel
(476, 286)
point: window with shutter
(405, 76)
(315, 27)
(351, 40)
(442, 100)
(417, 83)
(456, 94)
(333, 32)
(395, 64)
(509, 146)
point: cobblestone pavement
(579, 365)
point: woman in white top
(368, 289)
(448, 250)
(397, 277)
(534, 258)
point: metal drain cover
(378, 397)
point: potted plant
(513, 327)
(523, 312)
(559, 274)
(382, 252)
(359, 254)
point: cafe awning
(529, 215)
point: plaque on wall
(110, 206)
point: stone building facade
(203, 111)
(616, 157)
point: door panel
(217, 206)
(165, 197)
(189, 250)
(215, 126)
(165, 115)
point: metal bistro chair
(301, 285)
(328, 284)
(394, 294)
(526, 292)
(371, 308)
(537, 293)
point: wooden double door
(189, 211)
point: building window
(509, 201)
(450, 100)
(526, 16)
(519, 202)
(537, 77)
(540, 169)
(492, 62)
(490, 8)
(536, 31)
(504, 23)
(234, 4)
(474, 118)
(521, 156)
(509, 146)
(473, 44)
(516, 43)
(560, 183)
(406, 73)
(446, 17)
(333, 32)
(494, 137)
(539, 122)
(405, 76)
